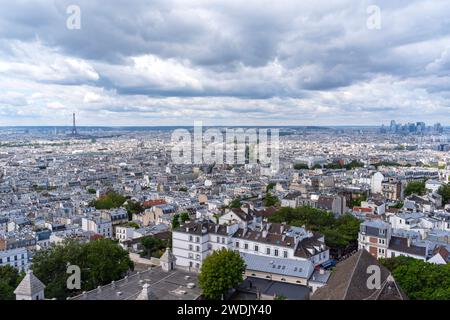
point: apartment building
(17, 258)
(374, 237)
(194, 241)
(98, 225)
(378, 239)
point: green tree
(106, 262)
(220, 272)
(175, 221)
(300, 166)
(153, 246)
(419, 279)
(270, 200)
(91, 191)
(9, 280)
(398, 205)
(444, 191)
(132, 224)
(101, 261)
(339, 232)
(354, 164)
(236, 203)
(184, 216)
(357, 201)
(133, 207)
(270, 186)
(109, 201)
(415, 187)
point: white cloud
(228, 62)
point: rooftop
(172, 285)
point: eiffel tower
(74, 127)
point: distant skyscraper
(74, 128)
(393, 126)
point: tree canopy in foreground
(9, 280)
(220, 272)
(420, 280)
(101, 261)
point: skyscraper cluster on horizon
(418, 127)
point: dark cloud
(252, 52)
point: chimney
(322, 271)
(408, 242)
(282, 228)
(264, 233)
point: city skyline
(226, 63)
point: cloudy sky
(224, 62)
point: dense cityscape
(339, 194)
(224, 159)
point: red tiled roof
(151, 203)
(442, 251)
(360, 209)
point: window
(218, 239)
(223, 240)
(276, 253)
(268, 250)
(197, 248)
(285, 254)
(246, 246)
(197, 239)
(256, 248)
(190, 247)
(190, 238)
(237, 244)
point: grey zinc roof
(147, 293)
(30, 285)
(287, 267)
(172, 285)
